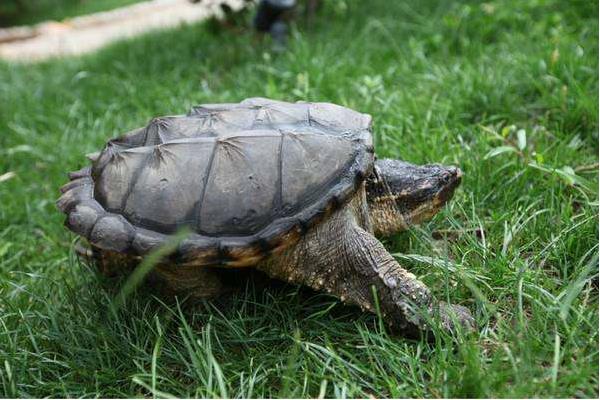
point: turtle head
(401, 194)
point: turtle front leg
(344, 259)
(401, 295)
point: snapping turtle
(292, 189)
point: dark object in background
(270, 18)
(271, 11)
(279, 32)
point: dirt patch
(87, 33)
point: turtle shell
(245, 178)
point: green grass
(508, 90)
(34, 11)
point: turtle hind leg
(225, 288)
(110, 264)
(206, 282)
(191, 282)
(165, 279)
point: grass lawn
(34, 11)
(507, 90)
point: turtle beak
(448, 178)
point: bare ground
(90, 32)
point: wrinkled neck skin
(386, 218)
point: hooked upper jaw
(449, 180)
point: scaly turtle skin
(291, 189)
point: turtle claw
(454, 317)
